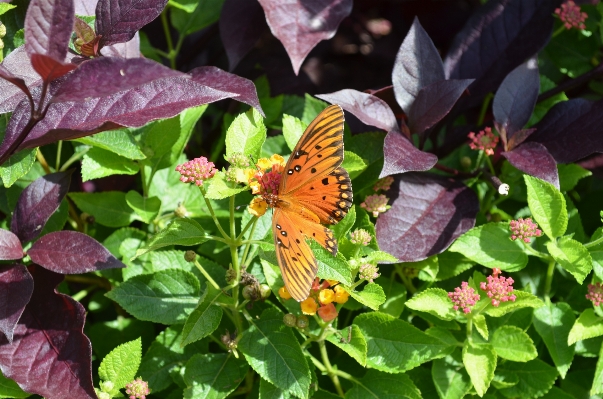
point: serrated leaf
(17, 166)
(98, 163)
(246, 134)
(145, 207)
(523, 300)
(512, 343)
(121, 364)
(394, 345)
(479, 322)
(597, 387)
(572, 256)
(166, 297)
(570, 175)
(351, 341)
(331, 267)
(293, 128)
(553, 323)
(219, 188)
(274, 353)
(480, 363)
(449, 376)
(213, 375)
(205, 318)
(372, 295)
(342, 228)
(434, 301)
(535, 378)
(353, 163)
(382, 385)
(588, 325)
(182, 231)
(547, 206)
(109, 208)
(269, 391)
(120, 141)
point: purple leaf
(49, 68)
(301, 24)
(71, 252)
(242, 89)
(48, 27)
(534, 159)
(433, 102)
(370, 109)
(50, 355)
(418, 64)
(401, 156)
(429, 213)
(501, 35)
(14, 80)
(571, 130)
(85, 7)
(248, 17)
(37, 203)
(17, 63)
(118, 20)
(16, 286)
(105, 76)
(10, 246)
(515, 98)
(129, 49)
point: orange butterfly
(313, 189)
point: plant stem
(206, 275)
(534, 252)
(490, 166)
(42, 160)
(168, 39)
(59, 151)
(549, 279)
(482, 112)
(251, 222)
(213, 215)
(73, 158)
(329, 368)
(558, 31)
(594, 243)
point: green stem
(482, 112)
(558, 31)
(406, 281)
(217, 341)
(206, 275)
(594, 243)
(329, 368)
(213, 215)
(59, 150)
(534, 252)
(168, 39)
(83, 293)
(549, 279)
(73, 158)
(469, 329)
(250, 223)
(490, 166)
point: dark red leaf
(429, 213)
(37, 203)
(534, 159)
(301, 24)
(433, 102)
(248, 18)
(402, 156)
(418, 64)
(16, 287)
(129, 49)
(17, 64)
(71, 252)
(106, 76)
(49, 68)
(515, 98)
(10, 246)
(571, 130)
(16, 81)
(85, 7)
(50, 355)
(239, 88)
(496, 39)
(387, 94)
(48, 27)
(369, 109)
(118, 20)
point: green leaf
(99, 163)
(181, 231)
(396, 297)
(109, 208)
(480, 363)
(219, 188)
(9, 388)
(269, 391)
(547, 206)
(274, 145)
(449, 377)
(379, 257)
(512, 343)
(213, 375)
(293, 128)
(597, 387)
(166, 297)
(596, 253)
(428, 268)
(4, 7)
(588, 325)
(331, 267)
(372, 295)
(434, 301)
(246, 134)
(205, 318)
(553, 323)
(394, 345)
(523, 300)
(504, 381)
(490, 245)
(572, 256)
(275, 354)
(188, 19)
(452, 264)
(272, 106)
(156, 140)
(375, 384)
(479, 322)
(146, 208)
(17, 166)
(353, 163)
(345, 225)
(351, 341)
(570, 174)
(121, 364)
(120, 142)
(312, 107)
(535, 378)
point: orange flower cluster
(263, 182)
(322, 298)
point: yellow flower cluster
(324, 294)
(251, 176)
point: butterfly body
(313, 189)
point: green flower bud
(302, 322)
(190, 256)
(290, 320)
(106, 386)
(2, 30)
(265, 291)
(249, 292)
(466, 163)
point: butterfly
(314, 189)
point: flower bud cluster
(321, 300)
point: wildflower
(595, 293)
(283, 293)
(368, 272)
(326, 296)
(383, 184)
(375, 204)
(498, 289)
(571, 16)
(360, 237)
(464, 297)
(485, 140)
(258, 206)
(328, 312)
(137, 389)
(309, 306)
(341, 295)
(268, 182)
(523, 229)
(263, 163)
(239, 160)
(196, 171)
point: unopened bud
(466, 163)
(180, 211)
(250, 292)
(302, 322)
(106, 386)
(190, 256)
(104, 395)
(290, 320)
(2, 30)
(1, 44)
(231, 275)
(265, 291)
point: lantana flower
(196, 171)
(485, 140)
(323, 296)
(499, 289)
(383, 184)
(524, 229)
(570, 14)
(464, 297)
(375, 204)
(595, 294)
(137, 389)
(368, 272)
(360, 237)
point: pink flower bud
(485, 140)
(464, 297)
(499, 289)
(196, 171)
